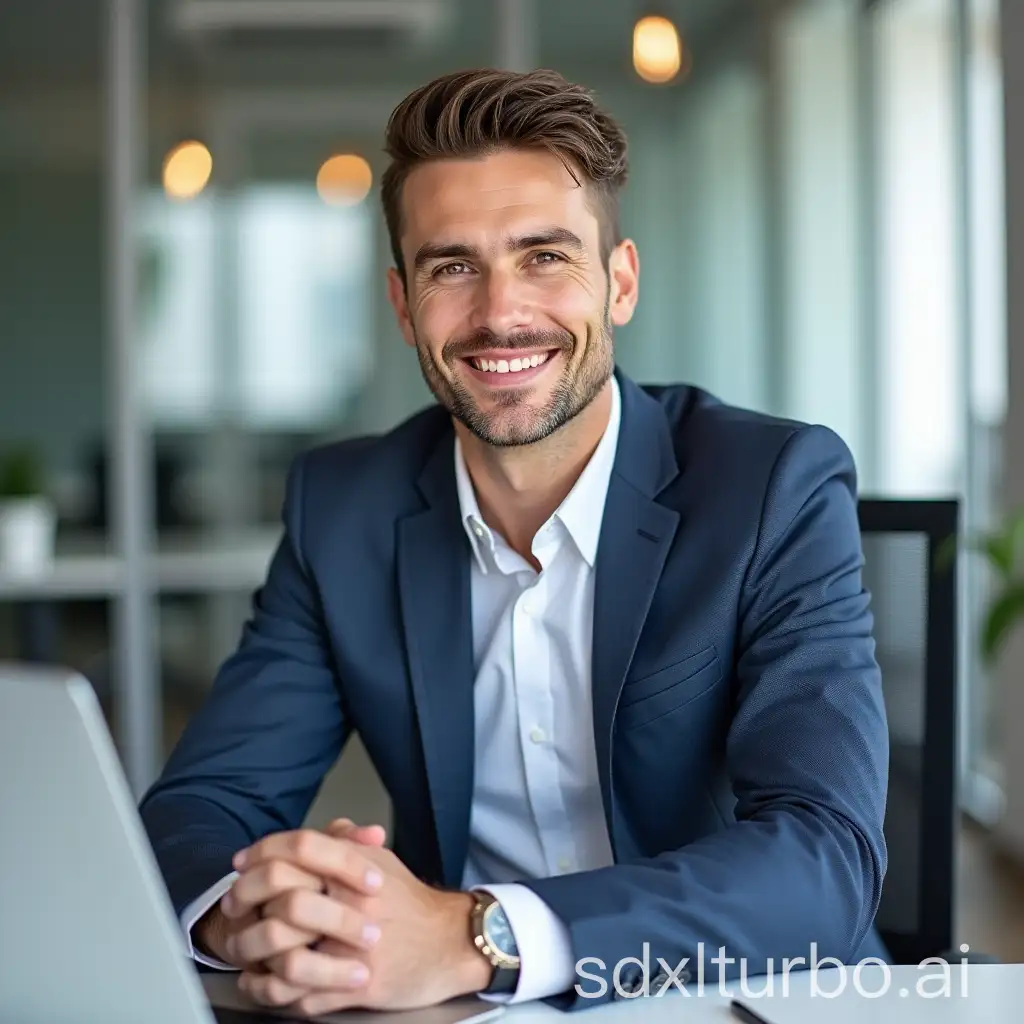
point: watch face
(498, 933)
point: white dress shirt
(537, 808)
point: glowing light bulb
(657, 50)
(187, 169)
(344, 180)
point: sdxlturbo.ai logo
(829, 977)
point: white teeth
(510, 366)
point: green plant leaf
(998, 548)
(1002, 616)
(1002, 547)
(20, 474)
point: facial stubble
(574, 391)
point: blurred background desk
(187, 561)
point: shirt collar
(580, 513)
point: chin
(509, 430)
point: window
(256, 309)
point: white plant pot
(28, 531)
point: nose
(502, 304)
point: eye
(544, 258)
(452, 270)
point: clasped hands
(324, 921)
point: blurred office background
(192, 262)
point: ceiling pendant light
(658, 53)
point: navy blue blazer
(741, 737)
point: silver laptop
(87, 930)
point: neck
(518, 488)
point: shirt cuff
(195, 910)
(546, 966)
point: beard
(515, 420)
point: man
(608, 647)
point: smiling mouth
(515, 365)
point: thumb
(368, 835)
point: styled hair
(474, 113)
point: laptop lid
(88, 928)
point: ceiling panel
(62, 41)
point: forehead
(455, 199)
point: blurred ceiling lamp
(344, 180)
(657, 50)
(187, 169)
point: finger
(266, 938)
(366, 835)
(226, 944)
(368, 906)
(312, 969)
(269, 989)
(314, 1004)
(266, 880)
(317, 853)
(321, 915)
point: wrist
(470, 970)
(209, 934)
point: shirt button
(478, 529)
(565, 865)
(537, 734)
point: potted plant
(1003, 549)
(28, 518)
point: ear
(624, 282)
(400, 304)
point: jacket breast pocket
(668, 688)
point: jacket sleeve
(799, 873)
(252, 759)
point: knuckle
(276, 873)
(341, 919)
(290, 965)
(314, 1005)
(276, 932)
(343, 857)
(278, 991)
(292, 902)
(304, 844)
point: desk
(192, 562)
(979, 994)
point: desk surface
(972, 995)
(979, 994)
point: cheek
(439, 317)
(571, 303)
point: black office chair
(915, 608)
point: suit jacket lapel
(636, 534)
(434, 588)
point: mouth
(498, 370)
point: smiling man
(607, 646)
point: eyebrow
(459, 250)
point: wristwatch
(493, 936)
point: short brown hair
(472, 113)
